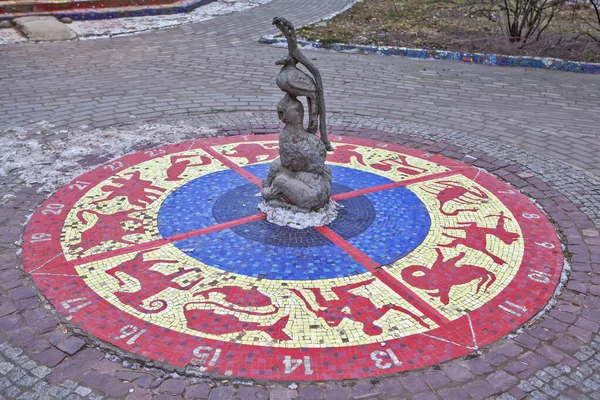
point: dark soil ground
(454, 25)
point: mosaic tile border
(499, 60)
(76, 11)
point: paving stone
(83, 391)
(435, 379)
(172, 386)
(533, 360)
(551, 353)
(41, 371)
(505, 396)
(391, 388)
(4, 383)
(453, 394)
(309, 393)
(27, 381)
(425, 396)
(544, 376)
(221, 393)
(5, 368)
(567, 381)
(29, 364)
(140, 394)
(494, 358)
(285, 393)
(593, 385)
(165, 396)
(40, 386)
(537, 395)
(16, 373)
(479, 389)
(12, 353)
(587, 350)
(252, 393)
(502, 381)
(457, 373)
(12, 392)
(114, 388)
(51, 357)
(413, 383)
(558, 385)
(552, 371)
(28, 396)
(72, 345)
(526, 386)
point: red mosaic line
(227, 162)
(385, 276)
(387, 186)
(163, 241)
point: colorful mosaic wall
(95, 9)
(476, 58)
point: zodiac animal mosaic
(164, 254)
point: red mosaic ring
(163, 253)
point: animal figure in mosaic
(139, 192)
(204, 316)
(346, 153)
(254, 152)
(444, 275)
(297, 83)
(452, 191)
(151, 282)
(107, 228)
(476, 236)
(357, 308)
(400, 163)
(180, 163)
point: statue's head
(284, 26)
(290, 110)
(287, 60)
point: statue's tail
(323, 119)
(313, 114)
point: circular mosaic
(163, 253)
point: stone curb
(500, 60)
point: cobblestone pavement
(217, 65)
(538, 130)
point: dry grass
(452, 25)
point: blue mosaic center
(354, 217)
(384, 225)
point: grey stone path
(528, 117)
(217, 65)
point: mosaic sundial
(164, 254)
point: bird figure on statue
(297, 83)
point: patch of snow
(27, 156)
(11, 35)
(105, 28)
(95, 29)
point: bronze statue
(297, 83)
(297, 191)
